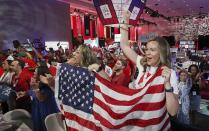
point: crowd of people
(25, 76)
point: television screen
(187, 44)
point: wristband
(169, 90)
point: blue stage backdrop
(33, 19)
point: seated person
(42, 97)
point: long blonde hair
(87, 56)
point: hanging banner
(110, 12)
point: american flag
(92, 103)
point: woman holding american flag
(155, 78)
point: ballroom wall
(33, 19)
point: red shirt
(22, 82)
(29, 63)
(127, 70)
(53, 70)
(120, 79)
(1, 71)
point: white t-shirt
(152, 70)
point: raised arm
(172, 104)
(39, 55)
(131, 54)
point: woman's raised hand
(48, 79)
(126, 16)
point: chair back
(18, 115)
(54, 122)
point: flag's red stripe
(141, 79)
(83, 122)
(165, 124)
(130, 122)
(151, 90)
(122, 89)
(139, 107)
